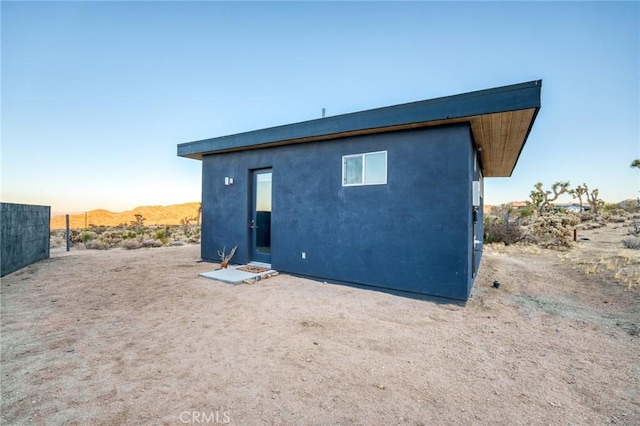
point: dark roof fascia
(489, 101)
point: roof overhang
(500, 120)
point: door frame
(255, 255)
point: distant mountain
(629, 203)
(153, 215)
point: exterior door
(261, 216)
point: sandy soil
(136, 337)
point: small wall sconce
(228, 181)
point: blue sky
(96, 95)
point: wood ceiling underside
(501, 137)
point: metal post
(68, 235)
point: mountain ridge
(153, 215)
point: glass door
(261, 216)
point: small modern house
(388, 198)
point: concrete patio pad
(232, 275)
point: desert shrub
(586, 216)
(129, 234)
(615, 215)
(593, 225)
(75, 235)
(610, 207)
(526, 214)
(151, 243)
(161, 235)
(95, 245)
(88, 236)
(554, 230)
(111, 238)
(116, 236)
(97, 229)
(634, 228)
(57, 239)
(498, 232)
(130, 244)
(631, 243)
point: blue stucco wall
(24, 235)
(476, 174)
(413, 234)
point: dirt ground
(136, 337)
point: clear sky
(97, 95)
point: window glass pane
(263, 192)
(353, 170)
(376, 168)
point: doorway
(260, 224)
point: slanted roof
(500, 118)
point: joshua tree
(137, 224)
(542, 199)
(593, 200)
(537, 198)
(186, 225)
(579, 192)
(199, 214)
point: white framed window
(364, 169)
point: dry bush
(151, 243)
(95, 245)
(75, 235)
(122, 236)
(57, 238)
(111, 238)
(586, 216)
(592, 225)
(634, 228)
(631, 243)
(131, 244)
(98, 229)
(554, 231)
(615, 216)
(509, 233)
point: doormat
(252, 269)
